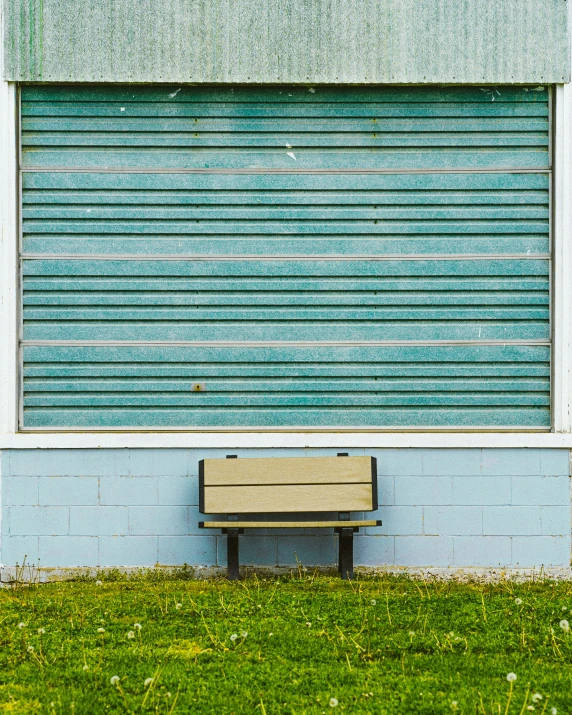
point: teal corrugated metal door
(308, 257)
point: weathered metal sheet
(266, 216)
(287, 41)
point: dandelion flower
(138, 626)
(270, 635)
(41, 631)
(86, 667)
(131, 634)
(454, 704)
(99, 583)
(565, 625)
(333, 702)
(148, 681)
(373, 601)
(21, 625)
(101, 630)
(308, 624)
(243, 634)
(233, 637)
(30, 649)
(114, 680)
(518, 601)
(511, 677)
(536, 697)
(178, 606)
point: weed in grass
(305, 644)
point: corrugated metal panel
(219, 216)
(287, 386)
(300, 41)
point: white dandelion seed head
(168, 695)
(333, 702)
(243, 634)
(21, 625)
(178, 606)
(564, 608)
(138, 626)
(518, 601)
(411, 633)
(564, 625)
(30, 649)
(308, 624)
(101, 630)
(373, 601)
(86, 667)
(536, 697)
(511, 677)
(531, 707)
(148, 682)
(553, 711)
(99, 583)
(451, 633)
(131, 634)
(41, 631)
(114, 679)
(454, 704)
(270, 635)
(233, 637)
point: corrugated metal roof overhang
(287, 41)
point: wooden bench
(340, 484)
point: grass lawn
(301, 644)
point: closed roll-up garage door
(285, 257)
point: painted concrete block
(20, 550)
(192, 550)
(555, 462)
(386, 490)
(453, 520)
(555, 520)
(158, 520)
(178, 490)
(481, 491)
(452, 462)
(317, 551)
(99, 520)
(255, 550)
(485, 551)
(537, 551)
(398, 462)
(540, 491)
(20, 491)
(68, 462)
(128, 491)
(423, 551)
(69, 551)
(159, 462)
(128, 550)
(55, 491)
(374, 550)
(39, 520)
(511, 462)
(398, 520)
(418, 491)
(511, 521)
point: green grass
(376, 645)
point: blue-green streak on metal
(295, 229)
(292, 41)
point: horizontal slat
(287, 498)
(287, 524)
(224, 417)
(293, 470)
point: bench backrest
(293, 484)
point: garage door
(285, 257)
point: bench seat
(308, 485)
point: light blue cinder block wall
(139, 507)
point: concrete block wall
(139, 507)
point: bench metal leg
(346, 553)
(232, 554)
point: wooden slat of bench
(289, 470)
(285, 524)
(288, 498)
